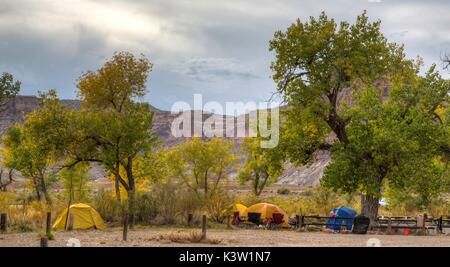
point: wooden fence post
(190, 219)
(204, 227)
(3, 222)
(440, 224)
(48, 226)
(297, 221)
(302, 221)
(44, 242)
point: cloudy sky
(216, 48)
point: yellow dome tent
(84, 217)
(267, 210)
(241, 209)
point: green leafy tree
(392, 141)
(202, 165)
(75, 180)
(8, 89)
(113, 129)
(31, 147)
(335, 80)
(152, 167)
(423, 191)
(262, 165)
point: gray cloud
(216, 69)
(217, 48)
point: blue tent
(341, 215)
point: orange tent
(267, 210)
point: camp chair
(277, 219)
(254, 217)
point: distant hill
(307, 176)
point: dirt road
(263, 238)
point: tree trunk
(37, 189)
(4, 185)
(256, 183)
(69, 203)
(131, 192)
(206, 184)
(117, 183)
(425, 201)
(45, 191)
(369, 207)
(125, 226)
(263, 184)
(132, 207)
(370, 201)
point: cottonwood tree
(262, 165)
(202, 165)
(112, 128)
(399, 138)
(332, 77)
(8, 89)
(75, 180)
(31, 147)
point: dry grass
(184, 237)
(237, 237)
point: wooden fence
(388, 223)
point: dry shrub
(108, 207)
(7, 199)
(189, 203)
(174, 203)
(318, 201)
(28, 216)
(146, 208)
(219, 205)
(185, 237)
(167, 201)
(439, 209)
(408, 208)
(249, 199)
(283, 191)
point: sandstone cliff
(305, 176)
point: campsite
(87, 228)
(260, 225)
(234, 124)
(228, 238)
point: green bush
(167, 201)
(108, 207)
(23, 227)
(146, 208)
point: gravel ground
(239, 237)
